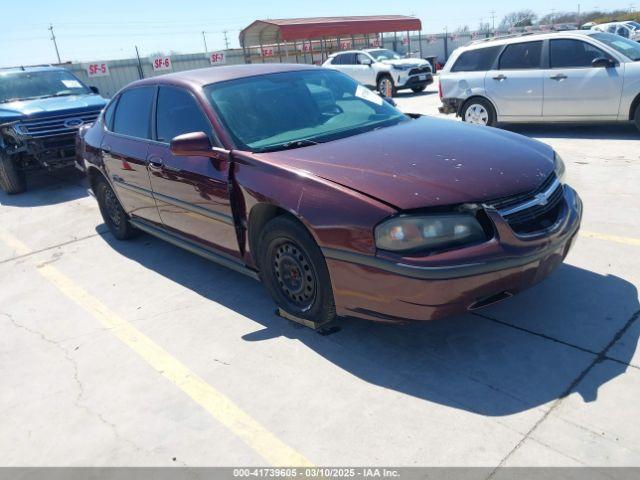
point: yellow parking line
(611, 238)
(219, 406)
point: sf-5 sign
(97, 70)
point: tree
(523, 18)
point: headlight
(559, 167)
(411, 233)
(402, 67)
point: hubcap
(476, 114)
(294, 275)
(111, 206)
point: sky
(110, 29)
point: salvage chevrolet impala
(340, 204)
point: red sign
(375, 42)
(217, 58)
(345, 45)
(267, 52)
(97, 70)
(161, 63)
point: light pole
(204, 39)
(55, 44)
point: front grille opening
(537, 218)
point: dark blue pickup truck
(41, 110)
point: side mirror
(195, 144)
(602, 62)
(366, 61)
(95, 90)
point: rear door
(516, 86)
(192, 192)
(125, 145)
(574, 88)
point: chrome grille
(532, 211)
(56, 125)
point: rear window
(518, 56)
(476, 60)
(133, 114)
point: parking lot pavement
(139, 353)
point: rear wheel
(12, 178)
(294, 271)
(636, 118)
(112, 212)
(479, 111)
(385, 86)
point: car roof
(206, 76)
(527, 37)
(39, 68)
(365, 50)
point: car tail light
(440, 88)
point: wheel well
(634, 105)
(463, 104)
(260, 215)
(383, 74)
(93, 174)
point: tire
(636, 117)
(294, 271)
(418, 89)
(479, 111)
(12, 179)
(381, 85)
(112, 212)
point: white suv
(580, 76)
(383, 69)
(628, 29)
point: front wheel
(12, 178)
(479, 111)
(294, 271)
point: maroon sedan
(338, 202)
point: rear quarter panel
(630, 89)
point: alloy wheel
(476, 114)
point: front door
(516, 87)
(124, 146)
(574, 88)
(192, 193)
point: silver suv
(577, 76)
(383, 69)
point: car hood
(426, 162)
(42, 107)
(406, 62)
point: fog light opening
(490, 300)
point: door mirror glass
(602, 62)
(193, 144)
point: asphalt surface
(138, 353)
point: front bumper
(414, 81)
(384, 289)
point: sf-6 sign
(161, 63)
(217, 58)
(97, 70)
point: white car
(627, 29)
(383, 69)
(577, 76)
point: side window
(622, 31)
(568, 53)
(349, 59)
(476, 60)
(133, 115)
(611, 29)
(178, 113)
(337, 60)
(108, 114)
(518, 56)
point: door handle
(155, 163)
(558, 77)
(500, 77)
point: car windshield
(38, 84)
(296, 109)
(384, 54)
(628, 48)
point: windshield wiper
(22, 99)
(305, 142)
